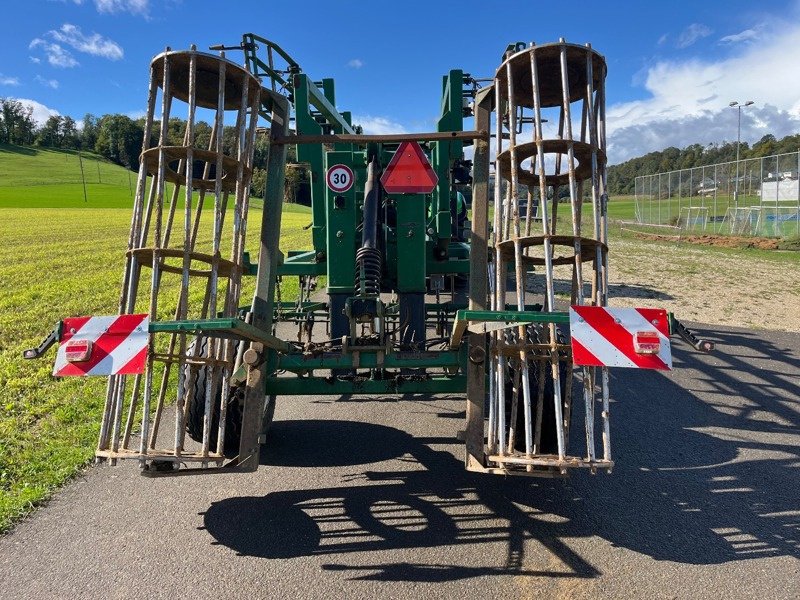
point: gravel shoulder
(738, 288)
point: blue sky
(673, 66)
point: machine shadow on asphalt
(696, 482)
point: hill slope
(50, 178)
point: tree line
(118, 138)
(621, 177)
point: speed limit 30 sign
(339, 178)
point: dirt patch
(740, 289)
(720, 241)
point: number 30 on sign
(339, 178)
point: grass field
(46, 178)
(56, 263)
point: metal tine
(102, 443)
(574, 200)
(554, 217)
(141, 180)
(184, 164)
(233, 281)
(512, 420)
(605, 415)
(501, 404)
(500, 279)
(601, 144)
(201, 196)
(248, 159)
(173, 202)
(118, 410)
(537, 435)
(588, 392)
(492, 436)
(603, 189)
(251, 138)
(148, 386)
(183, 300)
(593, 142)
(548, 256)
(114, 384)
(162, 392)
(137, 382)
(519, 269)
(148, 213)
(212, 289)
(115, 391)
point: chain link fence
(751, 197)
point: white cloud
(56, 55)
(135, 7)
(356, 63)
(688, 100)
(378, 125)
(35, 60)
(6, 80)
(40, 112)
(72, 36)
(94, 44)
(51, 83)
(694, 32)
(663, 39)
(743, 36)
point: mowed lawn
(55, 263)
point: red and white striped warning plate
(102, 346)
(620, 337)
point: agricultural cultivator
(427, 290)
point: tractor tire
(233, 417)
(548, 442)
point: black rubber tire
(233, 416)
(549, 440)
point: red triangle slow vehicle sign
(409, 171)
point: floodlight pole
(738, 106)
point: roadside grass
(56, 263)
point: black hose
(368, 257)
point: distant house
(707, 187)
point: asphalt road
(367, 498)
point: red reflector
(646, 342)
(409, 171)
(78, 350)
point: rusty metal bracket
(52, 337)
(700, 344)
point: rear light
(646, 342)
(78, 350)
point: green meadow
(59, 257)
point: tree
(766, 146)
(16, 122)
(119, 139)
(49, 135)
(69, 133)
(89, 131)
